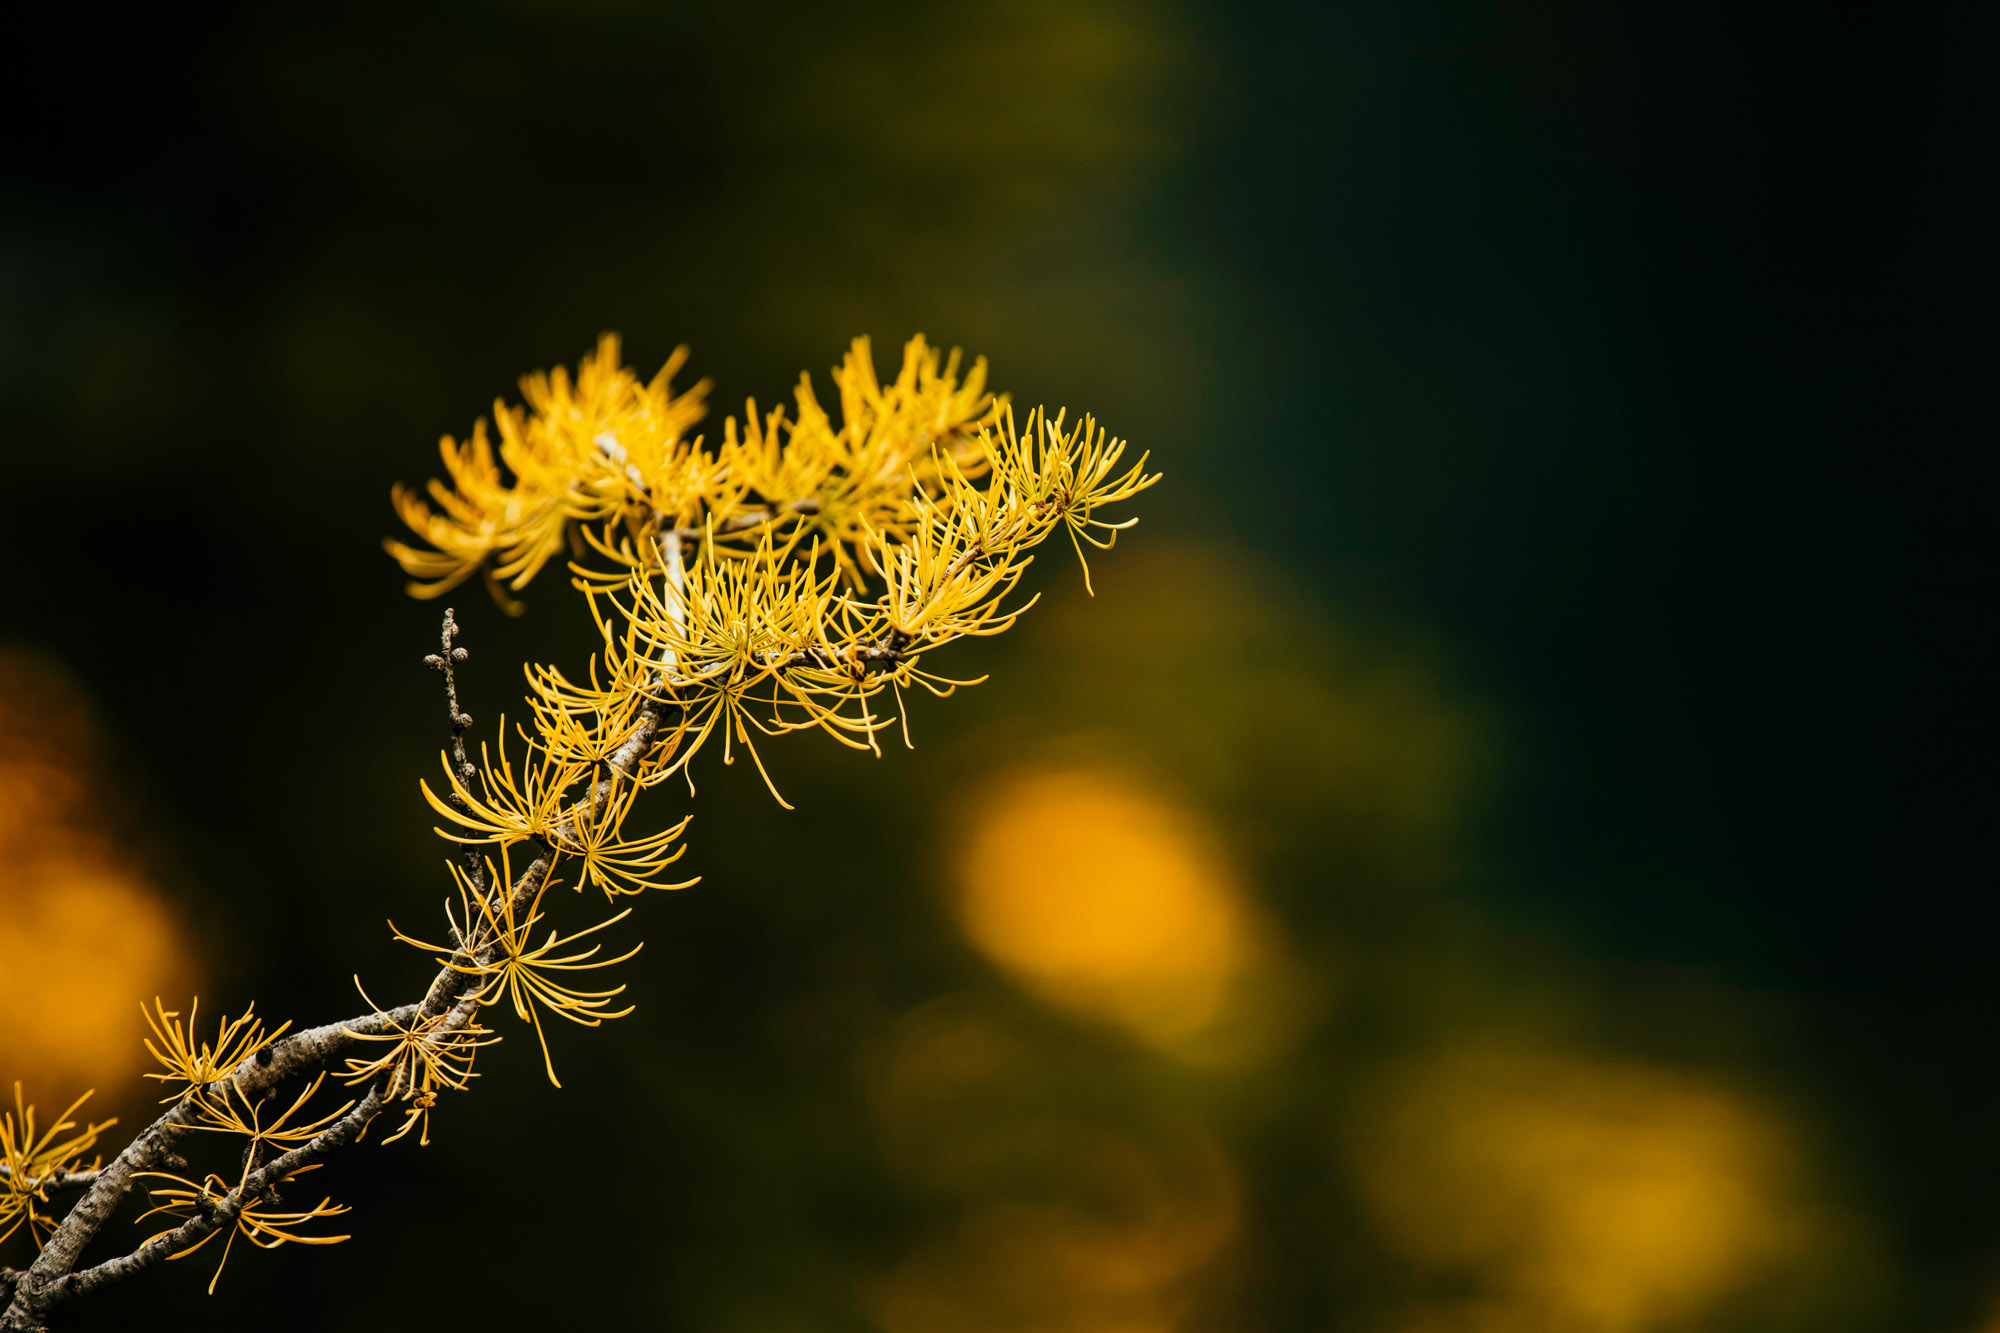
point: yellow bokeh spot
(83, 934)
(1105, 898)
(1069, 1219)
(1576, 1195)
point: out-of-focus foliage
(83, 929)
(1066, 1198)
(1300, 975)
(1572, 1193)
(1109, 901)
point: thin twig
(453, 999)
(460, 722)
(56, 1180)
(255, 1186)
(39, 1289)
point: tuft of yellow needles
(793, 576)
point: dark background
(1616, 365)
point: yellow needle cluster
(786, 636)
(425, 1056)
(512, 966)
(605, 459)
(197, 1066)
(31, 1162)
(230, 1112)
(784, 580)
(257, 1222)
(594, 450)
(781, 581)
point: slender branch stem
(887, 653)
(43, 1285)
(460, 722)
(57, 1180)
(255, 1186)
(452, 999)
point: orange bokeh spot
(83, 934)
(1105, 898)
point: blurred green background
(1507, 848)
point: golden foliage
(230, 1112)
(30, 1161)
(512, 966)
(198, 1066)
(257, 1222)
(425, 1056)
(603, 447)
(736, 592)
(779, 582)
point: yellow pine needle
(506, 809)
(611, 862)
(779, 581)
(31, 1159)
(581, 450)
(423, 1058)
(265, 1227)
(197, 1066)
(509, 964)
(233, 1114)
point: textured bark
(51, 1278)
(255, 1187)
(60, 1180)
